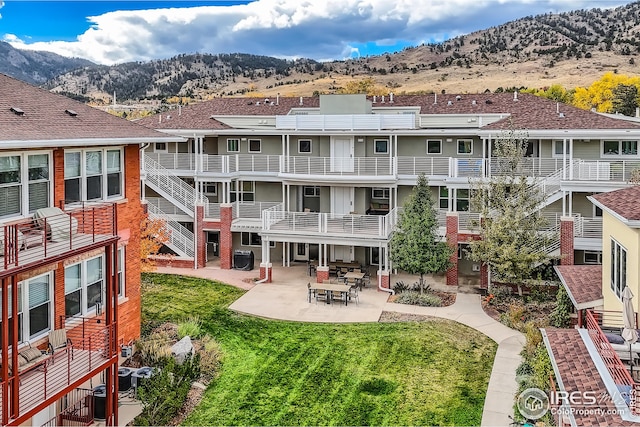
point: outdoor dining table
(331, 287)
(357, 276)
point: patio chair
(339, 296)
(321, 294)
(58, 341)
(354, 294)
(311, 292)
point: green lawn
(286, 373)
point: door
(342, 253)
(342, 200)
(342, 155)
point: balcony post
(226, 240)
(452, 240)
(566, 240)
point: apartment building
(321, 179)
(69, 253)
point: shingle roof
(624, 202)
(28, 113)
(583, 283)
(525, 112)
(579, 374)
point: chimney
(515, 95)
(391, 97)
(179, 110)
(300, 100)
(435, 98)
(278, 98)
(558, 107)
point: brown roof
(526, 112)
(579, 374)
(624, 202)
(28, 113)
(583, 284)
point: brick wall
(322, 273)
(226, 239)
(384, 278)
(452, 240)
(201, 248)
(566, 241)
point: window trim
(554, 143)
(104, 174)
(618, 268)
(375, 146)
(464, 140)
(314, 193)
(385, 193)
(439, 141)
(596, 254)
(160, 150)
(85, 310)
(249, 141)
(24, 182)
(619, 150)
(248, 234)
(237, 141)
(310, 146)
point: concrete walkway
(286, 299)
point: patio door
(342, 200)
(300, 251)
(341, 154)
(342, 253)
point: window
(443, 198)
(465, 146)
(304, 146)
(210, 188)
(160, 147)
(558, 148)
(15, 170)
(623, 148)
(34, 308)
(254, 239)
(591, 257)
(120, 272)
(93, 175)
(233, 145)
(84, 285)
(462, 199)
(380, 146)
(618, 268)
(10, 316)
(311, 191)
(434, 146)
(380, 193)
(255, 146)
(243, 191)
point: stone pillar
(566, 241)
(226, 240)
(384, 279)
(201, 239)
(452, 240)
(266, 271)
(322, 273)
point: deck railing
(34, 240)
(339, 166)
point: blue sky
(109, 32)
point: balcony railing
(92, 347)
(346, 122)
(31, 241)
(328, 224)
(339, 166)
(251, 209)
(414, 166)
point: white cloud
(317, 29)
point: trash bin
(99, 401)
(124, 378)
(243, 260)
(138, 377)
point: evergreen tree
(415, 246)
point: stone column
(566, 241)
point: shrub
(210, 358)
(415, 298)
(515, 316)
(154, 349)
(560, 317)
(400, 287)
(191, 327)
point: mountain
(36, 67)
(571, 49)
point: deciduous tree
(153, 234)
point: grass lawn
(287, 373)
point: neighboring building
(586, 359)
(321, 178)
(69, 253)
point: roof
(578, 373)
(31, 114)
(583, 284)
(624, 203)
(521, 111)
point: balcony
(337, 167)
(53, 234)
(61, 372)
(277, 221)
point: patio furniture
(339, 295)
(354, 294)
(29, 358)
(311, 292)
(58, 341)
(322, 294)
(59, 225)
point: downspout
(380, 288)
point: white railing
(165, 206)
(254, 163)
(528, 166)
(549, 240)
(414, 166)
(180, 239)
(346, 122)
(171, 187)
(590, 227)
(180, 161)
(251, 209)
(359, 166)
(468, 167)
(212, 210)
(338, 225)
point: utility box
(243, 260)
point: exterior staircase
(180, 194)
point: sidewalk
(285, 299)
